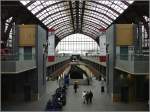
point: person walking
(87, 97)
(75, 87)
(90, 96)
(102, 85)
(83, 96)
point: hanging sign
(51, 45)
(102, 44)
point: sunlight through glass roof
(68, 17)
(78, 43)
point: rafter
(71, 11)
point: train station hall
(75, 55)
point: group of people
(87, 96)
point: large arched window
(78, 44)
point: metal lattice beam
(97, 3)
(77, 15)
(49, 7)
(82, 15)
(55, 13)
(71, 11)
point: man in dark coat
(90, 96)
(87, 97)
(75, 87)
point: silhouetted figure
(75, 87)
(90, 96)
(87, 97)
(102, 85)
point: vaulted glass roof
(68, 17)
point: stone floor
(101, 101)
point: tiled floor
(101, 101)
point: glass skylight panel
(121, 4)
(106, 21)
(36, 3)
(64, 27)
(64, 32)
(108, 3)
(40, 18)
(30, 7)
(25, 2)
(46, 22)
(130, 2)
(60, 26)
(121, 11)
(40, 14)
(100, 7)
(62, 35)
(100, 16)
(103, 19)
(92, 24)
(59, 23)
(118, 8)
(35, 10)
(92, 29)
(89, 29)
(89, 32)
(100, 10)
(125, 6)
(116, 2)
(90, 21)
(93, 19)
(112, 13)
(55, 16)
(104, 25)
(62, 8)
(43, 16)
(49, 19)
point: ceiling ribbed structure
(68, 17)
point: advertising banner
(51, 46)
(124, 34)
(27, 35)
(102, 44)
